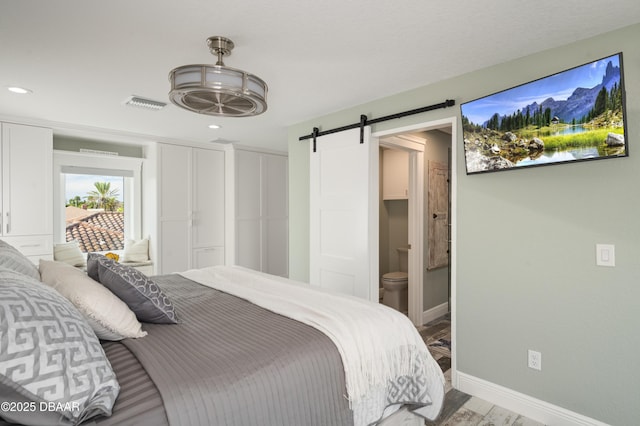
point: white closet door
(261, 212)
(175, 209)
(344, 214)
(174, 246)
(208, 198)
(27, 162)
(276, 220)
(248, 210)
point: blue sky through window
(81, 185)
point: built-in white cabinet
(395, 174)
(27, 188)
(208, 201)
(191, 203)
(261, 211)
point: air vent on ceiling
(139, 102)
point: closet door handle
(6, 224)
(435, 215)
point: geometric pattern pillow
(11, 258)
(50, 359)
(139, 292)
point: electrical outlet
(605, 255)
(535, 360)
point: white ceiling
(83, 58)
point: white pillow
(68, 253)
(136, 251)
(110, 317)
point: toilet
(396, 284)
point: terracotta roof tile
(99, 231)
(74, 214)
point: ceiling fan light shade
(218, 90)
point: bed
(244, 348)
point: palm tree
(103, 196)
(75, 201)
(110, 204)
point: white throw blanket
(377, 344)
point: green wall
(525, 248)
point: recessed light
(19, 90)
(214, 126)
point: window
(94, 210)
(96, 200)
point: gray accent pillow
(11, 258)
(139, 292)
(92, 265)
(51, 361)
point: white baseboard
(525, 405)
(435, 313)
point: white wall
(526, 273)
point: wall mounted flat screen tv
(574, 115)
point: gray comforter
(230, 362)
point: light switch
(605, 255)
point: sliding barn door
(344, 214)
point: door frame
(416, 224)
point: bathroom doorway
(393, 216)
(427, 151)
